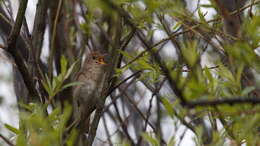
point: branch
(94, 126)
(11, 48)
(39, 27)
(213, 67)
(149, 48)
(6, 140)
(228, 101)
(17, 25)
(209, 21)
(6, 26)
(53, 38)
(122, 82)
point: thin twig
(6, 140)
(156, 56)
(53, 38)
(250, 9)
(123, 125)
(209, 21)
(191, 28)
(107, 130)
(11, 48)
(182, 136)
(115, 98)
(122, 82)
(148, 113)
(11, 43)
(134, 105)
(94, 126)
(38, 28)
(227, 101)
(182, 119)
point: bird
(87, 95)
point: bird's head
(97, 58)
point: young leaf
(71, 84)
(11, 128)
(151, 139)
(168, 106)
(247, 90)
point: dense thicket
(173, 68)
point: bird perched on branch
(88, 95)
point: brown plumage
(87, 95)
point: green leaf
(168, 107)
(27, 107)
(177, 25)
(72, 138)
(150, 139)
(12, 129)
(247, 90)
(202, 16)
(46, 87)
(239, 73)
(69, 71)
(144, 65)
(171, 141)
(189, 52)
(71, 84)
(125, 54)
(48, 83)
(226, 73)
(126, 143)
(54, 114)
(208, 74)
(207, 6)
(45, 129)
(64, 64)
(56, 81)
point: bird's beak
(101, 60)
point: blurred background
(138, 107)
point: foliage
(38, 128)
(193, 75)
(56, 85)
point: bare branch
(6, 140)
(11, 47)
(228, 101)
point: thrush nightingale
(87, 95)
